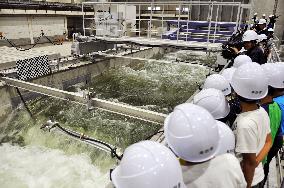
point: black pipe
(24, 102)
(82, 137)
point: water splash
(34, 166)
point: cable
(86, 139)
(25, 49)
(24, 102)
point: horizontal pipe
(122, 109)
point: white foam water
(35, 166)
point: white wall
(31, 26)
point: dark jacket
(256, 54)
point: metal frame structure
(117, 108)
(178, 17)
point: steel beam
(122, 109)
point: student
(252, 126)
(275, 75)
(217, 81)
(240, 60)
(214, 101)
(148, 164)
(193, 135)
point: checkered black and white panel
(33, 67)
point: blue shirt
(280, 102)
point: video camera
(234, 41)
(272, 21)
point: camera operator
(249, 40)
(272, 21)
(261, 27)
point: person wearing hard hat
(240, 60)
(261, 27)
(148, 164)
(217, 81)
(253, 50)
(275, 74)
(228, 73)
(214, 101)
(252, 126)
(193, 135)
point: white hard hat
(228, 73)
(214, 101)
(262, 21)
(227, 139)
(263, 15)
(218, 82)
(250, 81)
(240, 60)
(192, 133)
(271, 30)
(148, 164)
(275, 74)
(262, 37)
(250, 35)
(255, 14)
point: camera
(234, 41)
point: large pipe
(122, 109)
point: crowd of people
(225, 138)
(257, 41)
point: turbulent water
(154, 85)
(35, 167)
(31, 157)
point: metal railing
(160, 17)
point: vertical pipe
(139, 20)
(199, 10)
(125, 18)
(209, 26)
(187, 22)
(232, 12)
(238, 16)
(150, 24)
(216, 20)
(241, 17)
(83, 17)
(162, 20)
(178, 21)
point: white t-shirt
(250, 129)
(223, 171)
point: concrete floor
(64, 49)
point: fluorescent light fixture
(185, 9)
(177, 8)
(154, 8)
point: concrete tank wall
(66, 78)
